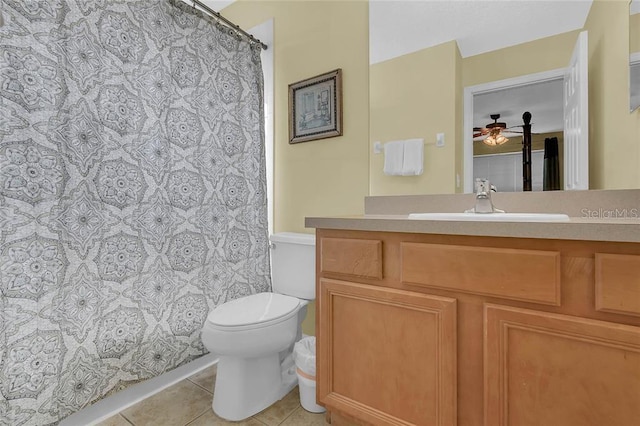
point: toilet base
(246, 386)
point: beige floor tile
(116, 420)
(210, 419)
(301, 417)
(205, 378)
(282, 409)
(174, 406)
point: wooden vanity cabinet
(424, 329)
(389, 355)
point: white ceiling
(542, 100)
(398, 27)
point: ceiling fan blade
(519, 125)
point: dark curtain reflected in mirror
(551, 165)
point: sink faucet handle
(482, 185)
(483, 198)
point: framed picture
(315, 107)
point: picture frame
(315, 107)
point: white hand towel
(393, 158)
(413, 157)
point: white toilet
(254, 335)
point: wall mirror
(482, 37)
(634, 54)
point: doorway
(502, 164)
(575, 110)
(503, 94)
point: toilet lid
(255, 309)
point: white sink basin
(493, 217)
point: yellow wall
(459, 140)
(545, 54)
(614, 133)
(414, 96)
(634, 46)
(329, 176)
(634, 33)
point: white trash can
(304, 355)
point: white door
(576, 117)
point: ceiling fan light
(490, 140)
(501, 139)
(495, 132)
(494, 140)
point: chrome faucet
(483, 198)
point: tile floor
(189, 403)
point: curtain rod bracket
(233, 26)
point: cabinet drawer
(618, 283)
(359, 258)
(527, 275)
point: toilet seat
(254, 311)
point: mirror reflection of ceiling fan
(495, 133)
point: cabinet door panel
(387, 356)
(550, 369)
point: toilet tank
(293, 264)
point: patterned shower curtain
(132, 194)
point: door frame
(493, 86)
(634, 59)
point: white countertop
(595, 215)
(584, 229)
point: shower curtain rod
(233, 26)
